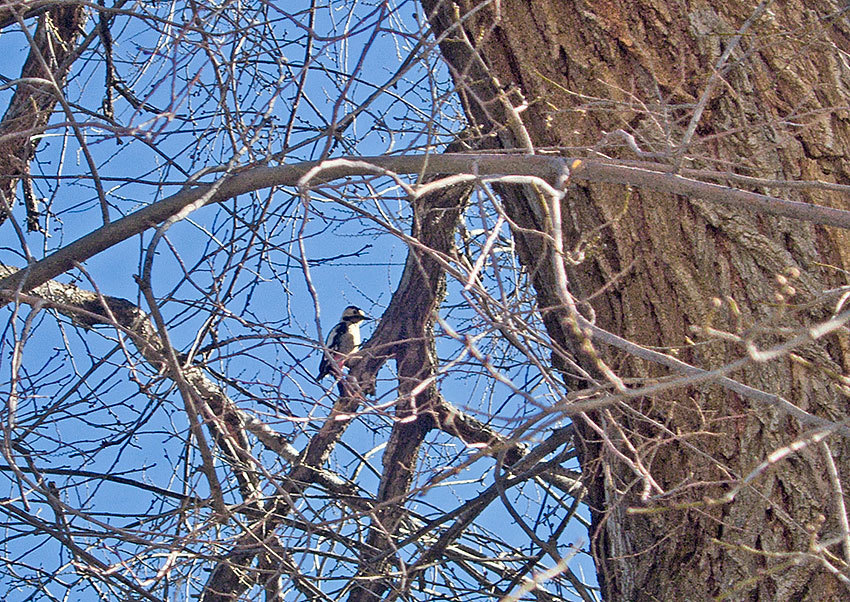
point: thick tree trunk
(776, 109)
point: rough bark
(775, 109)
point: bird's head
(353, 314)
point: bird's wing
(333, 341)
(335, 336)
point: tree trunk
(774, 108)
(53, 48)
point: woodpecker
(343, 339)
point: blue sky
(212, 262)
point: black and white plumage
(343, 339)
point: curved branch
(550, 168)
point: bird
(343, 339)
